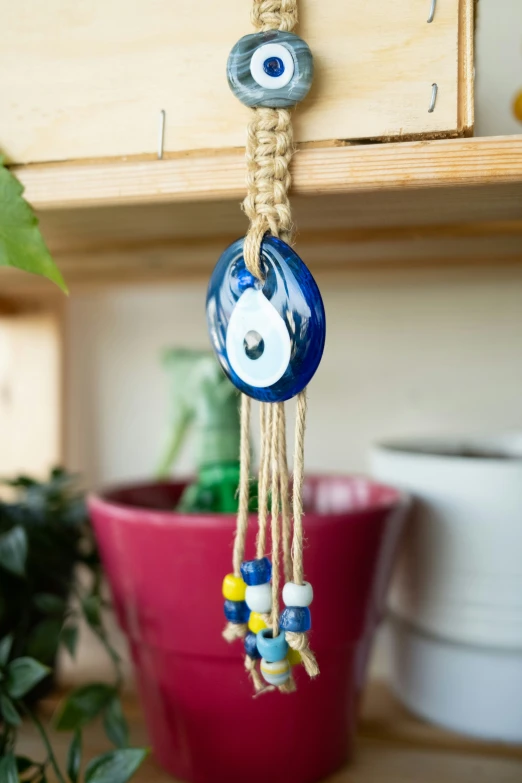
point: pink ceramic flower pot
(166, 569)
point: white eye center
(258, 343)
(272, 66)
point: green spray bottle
(205, 403)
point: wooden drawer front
(88, 78)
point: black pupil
(253, 344)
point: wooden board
(361, 207)
(84, 80)
(392, 747)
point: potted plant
(44, 536)
(166, 549)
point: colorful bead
(256, 622)
(298, 595)
(236, 611)
(293, 657)
(250, 643)
(234, 588)
(276, 672)
(259, 598)
(256, 572)
(273, 69)
(268, 337)
(271, 648)
(296, 618)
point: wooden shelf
(367, 206)
(392, 747)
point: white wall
(406, 353)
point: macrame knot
(233, 631)
(299, 642)
(274, 15)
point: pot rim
(498, 450)
(392, 499)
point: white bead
(259, 598)
(266, 52)
(297, 595)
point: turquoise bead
(296, 618)
(271, 648)
(272, 69)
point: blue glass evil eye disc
(268, 336)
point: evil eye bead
(236, 611)
(271, 648)
(298, 595)
(276, 672)
(250, 642)
(268, 336)
(272, 69)
(296, 619)
(256, 572)
(256, 623)
(259, 598)
(234, 588)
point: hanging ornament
(267, 326)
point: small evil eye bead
(256, 623)
(296, 619)
(272, 69)
(236, 611)
(271, 648)
(293, 657)
(268, 336)
(298, 595)
(256, 572)
(275, 672)
(259, 598)
(250, 642)
(233, 588)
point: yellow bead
(517, 106)
(294, 657)
(256, 622)
(234, 588)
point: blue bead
(236, 611)
(269, 336)
(296, 618)
(250, 642)
(273, 69)
(256, 572)
(270, 648)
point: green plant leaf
(82, 705)
(118, 766)
(13, 550)
(5, 649)
(44, 640)
(8, 771)
(22, 675)
(115, 724)
(74, 756)
(69, 638)
(8, 711)
(21, 243)
(92, 610)
(48, 603)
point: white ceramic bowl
(459, 575)
(472, 690)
